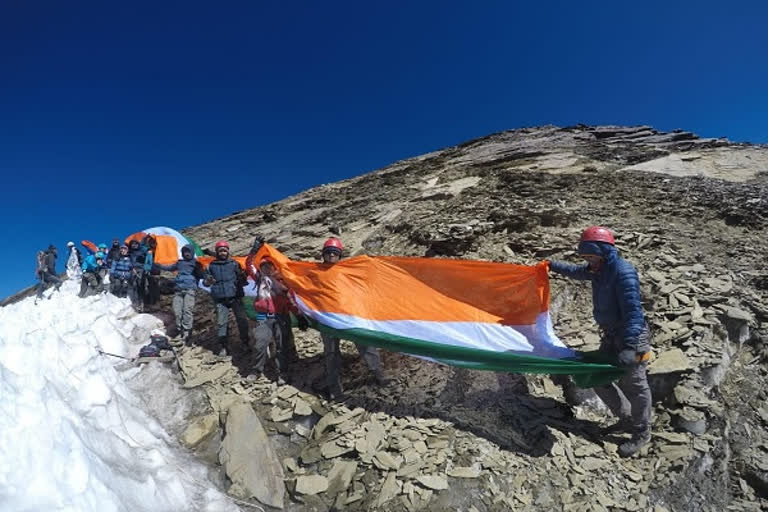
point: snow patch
(74, 436)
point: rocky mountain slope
(690, 213)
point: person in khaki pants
(618, 310)
(188, 272)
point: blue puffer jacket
(229, 277)
(90, 264)
(616, 303)
(121, 267)
(188, 272)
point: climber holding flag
(618, 311)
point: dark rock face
(690, 213)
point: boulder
(248, 458)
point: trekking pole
(113, 355)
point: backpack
(41, 263)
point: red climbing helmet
(597, 234)
(222, 243)
(333, 244)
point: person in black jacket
(114, 252)
(617, 309)
(188, 272)
(226, 279)
(46, 272)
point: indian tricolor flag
(474, 314)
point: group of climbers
(617, 309)
(125, 270)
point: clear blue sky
(115, 116)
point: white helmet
(70, 244)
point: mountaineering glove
(627, 357)
(257, 243)
(303, 323)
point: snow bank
(73, 435)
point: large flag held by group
(474, 314)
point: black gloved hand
(303, 323)
(257, 243)
(627, 357)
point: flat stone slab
(434, 482)
(670, 361)
(340, 476)
(311, 484)
(248, 458)
(215, 373)
(200, 430)
(464, 472)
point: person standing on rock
(331, 254)
(226, 280)
(46, 272)
(272, 301)
(188, 272)
(151, 286)
(120, 272)
(617, 309)
(114, 252)
(137, 283)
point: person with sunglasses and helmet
(331, 254)
(617, 308)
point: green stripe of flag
(588, 370)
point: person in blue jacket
(141, 262)
(618, 310)
(93, 273)
(188, 272)
(120, 272)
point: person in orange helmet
(331, 254)
(226, 279)
(618, 310)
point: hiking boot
(336, 394)
(224, 346)
(623, 425)
(632, 446)
(281, 381)
(254, 376)
(381, 378)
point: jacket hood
(606, 251)
(189, 248)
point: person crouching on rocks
(93, 274)
(188, 272)
(226, 279)
(331, 254)
(618, 311)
